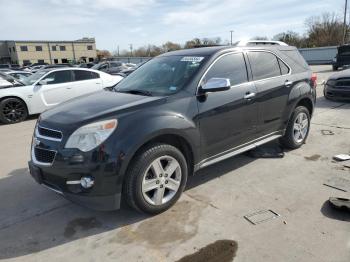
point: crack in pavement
(44, 212)
(339, 127)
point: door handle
(249, 96)
(288, 83)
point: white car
(20, 75)
(47, 88)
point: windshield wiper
(136, 92)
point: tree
(260, 38)
(291, 38)
(170, 46)
(102, 54)
(325, 30)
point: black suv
(179, 112)
(342, 58)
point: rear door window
(231, 66)
(264, 65)
(81, 75)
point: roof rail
(259, 42)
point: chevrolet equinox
(182, 111)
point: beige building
(51, 52)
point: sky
(143, 22)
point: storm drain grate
(339, 183)
(261, 216)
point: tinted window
(230, 66)
(284, 67)
(296, 57)
(81, 75)
(24, 48)
(59, 77)
(264, 65)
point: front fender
(141, 130)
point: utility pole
(231, 35)
(345, 25)
(118, 50)
(130, 49)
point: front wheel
(156, 178)
(12, 110)
(297, 129)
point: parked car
(33, 69)
(7, 81)
(338, 86)
(20, 75)
(9, 66)
(48, 88)
(342, 58)
(176, 114)
(37, 68)
(86, 65)
(110, 67)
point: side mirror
(216, 85)
(46, 81)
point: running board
(232, 153)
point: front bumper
(337, 93)
(68, 165)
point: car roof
(69, 68)
(208, 51)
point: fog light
(86, 182)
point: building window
(55, 61)
(89, 47)
(41, 61)
(91, 59)
(62, 48)
(64, 60)
(39, 48)
(54, 48)
(26, 62)
(24, 48)
(9, 49)
(13, 49)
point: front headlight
(92, 135)
(331, 82)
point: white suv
(47, 88)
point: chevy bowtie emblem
(36, 142)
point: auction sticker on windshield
(192, 58)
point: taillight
(314, 80)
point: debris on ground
(221, 250)
(341, 157)
(339, 183)
(340, 203)
(266, 152)
(261, 216)
(327, 132)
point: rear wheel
(156, 178)
(12, 110)
(297, 129)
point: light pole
(231, 35)
(344, 25)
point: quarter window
(230, 66)
(59, 77)
(81, 75)
(264, 65)
(284, 67)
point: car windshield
(33, 78)
(11, 79)
(164, 75)
(97, 66)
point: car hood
(93, 107)
(341, 74)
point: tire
(145, 169)
(12, 110)
(289, 139)
(324, 94)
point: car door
(227, 119)
(58, 88)
(273, 81)
(86, 82)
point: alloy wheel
(14, 111)
(301, 127)
(161, 181)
